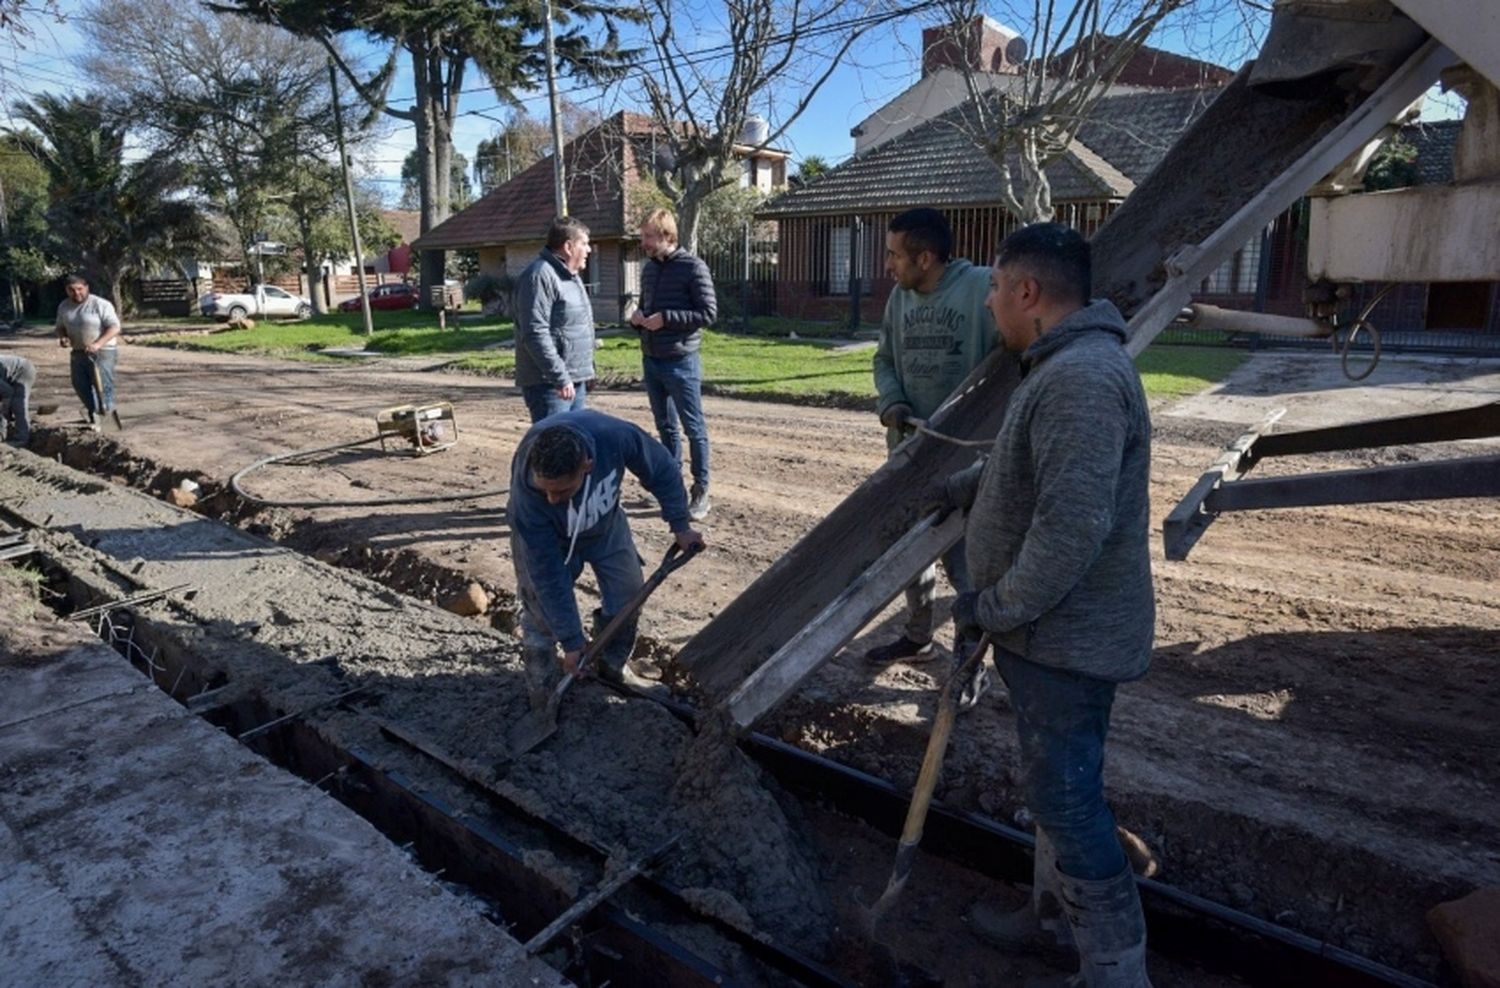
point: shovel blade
(110, 422)
(532, 730)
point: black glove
(965, 616)
(896, 415)
(936, 500)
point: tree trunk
(687, 223)
(426, 150)
(311, 269)
(698, 183)
(117, 291)
(437, 80)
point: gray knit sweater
(1057, 526)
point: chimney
(980, 44)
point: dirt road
(1316, 741)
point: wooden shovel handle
(937, 744)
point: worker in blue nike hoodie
(564, 511)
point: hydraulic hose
(371, 502)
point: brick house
(833, 229)
(608, 173)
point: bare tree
(1029, 114)
(245, 105)
(16, 23)
(522, 140)
(14, 15)
(701, 100)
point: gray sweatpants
(612, 555)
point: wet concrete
(138, 845)
(298, 632)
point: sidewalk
(139, 845)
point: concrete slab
(138, 845)
(1313, 390)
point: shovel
(539, 725)
(921, 797)
(109, 421)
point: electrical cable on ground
(374, 502)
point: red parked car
(385, 297)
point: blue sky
(877, 69)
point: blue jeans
(542, 400)
(1062, 718)
(81, 368)
(617, 567)
(675, 388)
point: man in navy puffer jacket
(677, 302)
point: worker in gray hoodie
(935, 331)
(555, 324)
(1057, 533)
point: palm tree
(110, 217)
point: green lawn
(754, 366)
(405, 333)
(1178, 371)
(821, 372)
(816, 371)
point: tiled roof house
(938, 164)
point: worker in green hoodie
(935, 331)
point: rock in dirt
(468, 602)
(182, 498)
(1468, 930)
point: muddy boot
(1039, 927)
(610, 664)
(1109, 929)
(542, 673)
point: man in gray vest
(555, 324)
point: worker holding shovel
(90, 326)
(564, 511)
(1057, 534)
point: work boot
(628, 676)
(979, 681)
(903, 649)
(1039, 927)
(1109, 930)
(977, 686)
(542, 673)
(617, 651)
(698, 502)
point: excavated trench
(764, 886)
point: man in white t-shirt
(89, 325)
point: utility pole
(559, 180)
(16, 303)
(359, 251)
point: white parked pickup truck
(262, 301)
